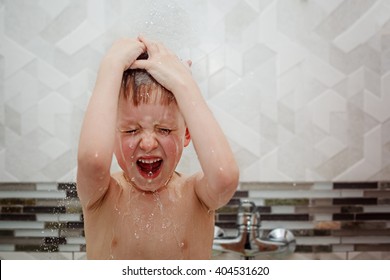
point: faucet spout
(248, 242)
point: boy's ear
(187, 138)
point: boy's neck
(134, 186)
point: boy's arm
(97, 138)
(219, 180)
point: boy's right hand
(165, 66)
(124, 52)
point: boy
(143, 111)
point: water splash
(158, 20)
(166, 223)
(111, 244)
(117, 202)
(157, 199)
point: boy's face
(150, 141)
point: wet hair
(139, 86)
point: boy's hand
(164, 65)
(124, 52)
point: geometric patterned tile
(311, 96)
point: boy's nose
(148, 142)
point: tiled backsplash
(329, 220)
(300, 88)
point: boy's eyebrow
(165, 125)
(126, 124)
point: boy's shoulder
(184, 179)
(117, 175)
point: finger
(140, 64)
(151, 46)
(163, 49)
(154, 46)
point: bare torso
(131, 224)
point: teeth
(149, 161)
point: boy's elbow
(228, 181)
(231, 180)
(92, 163)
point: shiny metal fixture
(248, 243)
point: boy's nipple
(114, 242)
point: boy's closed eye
(164, 131)
(160, 130)
(129, 131)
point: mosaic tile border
(329, 220)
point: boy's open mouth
(149, 168)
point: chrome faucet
(248, 243)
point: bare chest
(155, 226)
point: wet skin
(150, 216)
(170, 223)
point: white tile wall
(301, 88)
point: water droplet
(156, 197)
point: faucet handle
(247, 204)
(247, 215)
